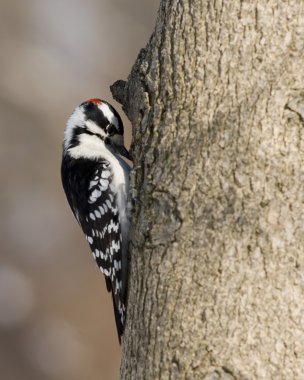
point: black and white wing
(102, 229)
(94, 204)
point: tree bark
(216, 99)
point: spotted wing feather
(102, 228)
(95, 207)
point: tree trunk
(216, 288)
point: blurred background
(56, 318)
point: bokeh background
(56, 318)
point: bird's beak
(117, 144)
(122, 151)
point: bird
(95, 178)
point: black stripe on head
(77, 131)
(93, 113)
(116, 114)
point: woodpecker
(95, 179)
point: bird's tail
(119, 310)
(119, 318)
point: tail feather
(119, 315)
(119, 325)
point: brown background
(56, 319)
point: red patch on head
(95, 101)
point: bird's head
(92, 127)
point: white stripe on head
(76, 119)
(105, 109)
(94, 128)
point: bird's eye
(111, 129)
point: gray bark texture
(216, 99)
